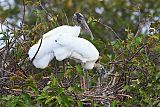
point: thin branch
(24, 9)
(48, 13)
(25, 74)
(106, 26)
(125, 95)
(136, 52)
(66, 17)
(139, 22)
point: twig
(106, 26)
(136, 52)
(48, 13)
(25, 74)
(24, 9)
(125, 95)
(114, 79)
(8, 72)
(139, 23)
(66, 17)
(4, 78)
(93, 96)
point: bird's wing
(49, 46)
(80, 46)
(66, 30)
(62, 53)
(46, 46)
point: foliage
(135, 80)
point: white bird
(48, 46)
(50, 49)
(63, 42)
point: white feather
(79, 49)
(63, 42)
(43, 61)
(66, 30)
(48, 46)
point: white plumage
(78, 49)
(48, 47)
(63, 42)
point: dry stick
(136, 52)
(48, 13)
(8, 72)
(3, 78)
(106, 26)
(114, 79)
(66, 17)
(8, 46)
(24, 9)
(139, 22)
(23, 18)
(124, 95)
(99, 97)
(18, 66)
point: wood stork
(48, 47)
(63, 42)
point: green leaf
(53, 81)
(114, 103)
(80, 104)
(65, 101)
(138, 40)
(75, 88)
(157, 102)
(59, 99)
(34, 89)
(79, 70)
(70, 89)
(59, 91)
(41, 97)
(46, 88)
(158, 105)
(27, 99)
(126, 87)
(50, 99)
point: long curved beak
(84, 24)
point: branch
(106, 26)
(139, 23)
(136, 52)
(24, 9)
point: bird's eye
(79, 15)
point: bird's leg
(63, 64)
(85, 80)
(55, 67)
(82, 81)
(101, 72)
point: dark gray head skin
(79, 19)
